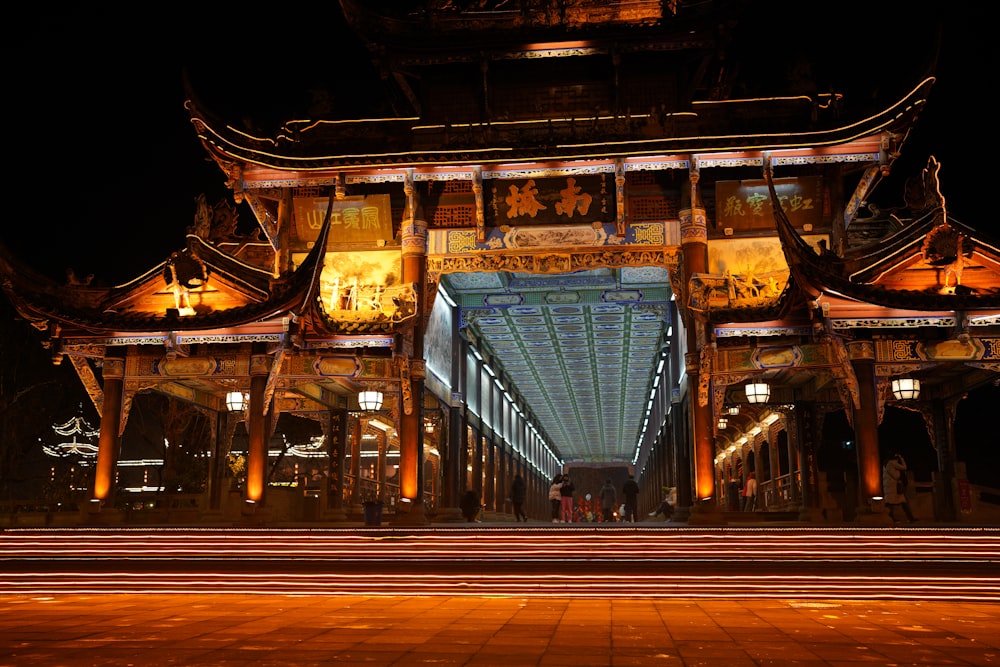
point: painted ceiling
(580, 348)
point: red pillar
(694, 244)
(260, 365)
(109, 444)
(411, 422)
(862, 355)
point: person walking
(750, 493)
(518, 494)
(733, 494)
(609, 498)
(894, 487)
(631, 493)
(566, 500)
(555, 497)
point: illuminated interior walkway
(148, 630)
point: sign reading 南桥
(746, 205)
(353, 219)
(580, 198)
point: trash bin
(373, 514)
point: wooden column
(336, 449)
(941, 418)
(357, 429)
(694, 243)
(257, 430)
(476, 482)
(413, 233)
(109, 444)
(804, 421)
(216, 467)
(862, 356)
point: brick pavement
(261, 630)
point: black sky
(107, 165)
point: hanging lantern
(734, 410)
(758, 392)
(906, 389)
(370, 401)
(723, 423)
(236, 401)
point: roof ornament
(924, 193)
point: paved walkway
(148, 630)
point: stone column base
(415, 516)
(706, 514)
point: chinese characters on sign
(353, 219)
(746, 205)
(531, 201)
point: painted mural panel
(366, 285)
(759, 256)
(742, 272)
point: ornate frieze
(842, 324)
(350, 342)
(547, 262)
(800, 160)
(94, 347)
(758, 332)
(888, 351)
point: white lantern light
(236, 401)
(370, 400)
(723, 423)
(758, 392)
(906, 389)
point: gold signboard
(746, 205)
(546, 201)
(353, 219)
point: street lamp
(236, 401)
(906, 389)
(370, 401)
(758, 392)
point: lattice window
(454, 216)
(636, 178)
(652, 208)
(457, 186)
(313, 191)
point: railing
(160, 507)
(26, 512)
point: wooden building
(577, 154)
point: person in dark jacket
(631, 493)
(518, 494)
(609, 498)
(471, 504)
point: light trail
(859, 563)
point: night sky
(105, 166)
(104, 150)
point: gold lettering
(572, 200)
(523, 202)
